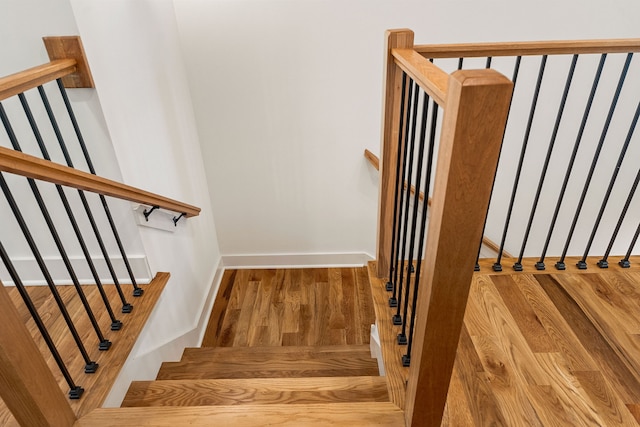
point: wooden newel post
(477, 105)
(27, 385)
(389, 149)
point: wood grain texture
(33, 167)
(33, 77)
(365, 414)
(429, 77)
(300, 307)
(473, 125)
(262, 391)
(97, 385)
(564, 47)
(214, 326)
(27, 386)
(70, 47)
(390, 149)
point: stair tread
(256, 391)
(362, 414)
(268, 368)
(289, 352)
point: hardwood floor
(292, 307)
(556, 349)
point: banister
(33, 77)
(470, 50)
(431, 78)
(26, 165)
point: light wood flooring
(292, 307)
(560, 349)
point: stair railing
(471, 107)
(429, 263)
(27, 386)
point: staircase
(259, 382)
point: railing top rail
(23, 164)
(555, 47)
(33, 77)
(431, 78)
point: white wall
(22, 25)
(287, 95)
(136, 63)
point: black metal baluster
(397, 319)
(460, 62)
(137, 291)
(514, 79)
(603, 263)
(90, 366)
(540, 266)
(390, 284)
(393, 301)
(581, 264)
(497, 266)
(620, 220)
(116, 324)
(75, 391)
(402, 337)
(104, 344)
(488, 63)
(624, 263)
(585, 116)
(406, 359)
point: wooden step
(256, 391)
(360, 414)
(282, 353)
(249, 366)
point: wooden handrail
(375, 162)
(470, 50)
(26, 165)
(33, 77)
(431, 78)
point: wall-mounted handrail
(32, 167)
(375, 162)
(575, 47)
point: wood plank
(263, 391)
(608, 405)
(565, 340)
(552, 47)
(530, 326)
(268, 368)
(622, 379)
(428, 76)
(27, 386)
(328, 414)
(291, 353)
(33, 167)
(390, 149)
(472, 130)
(64, 47)
(33, 77)
(569, 391)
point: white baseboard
(144, 366)
(345, 259)
(31, 275)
